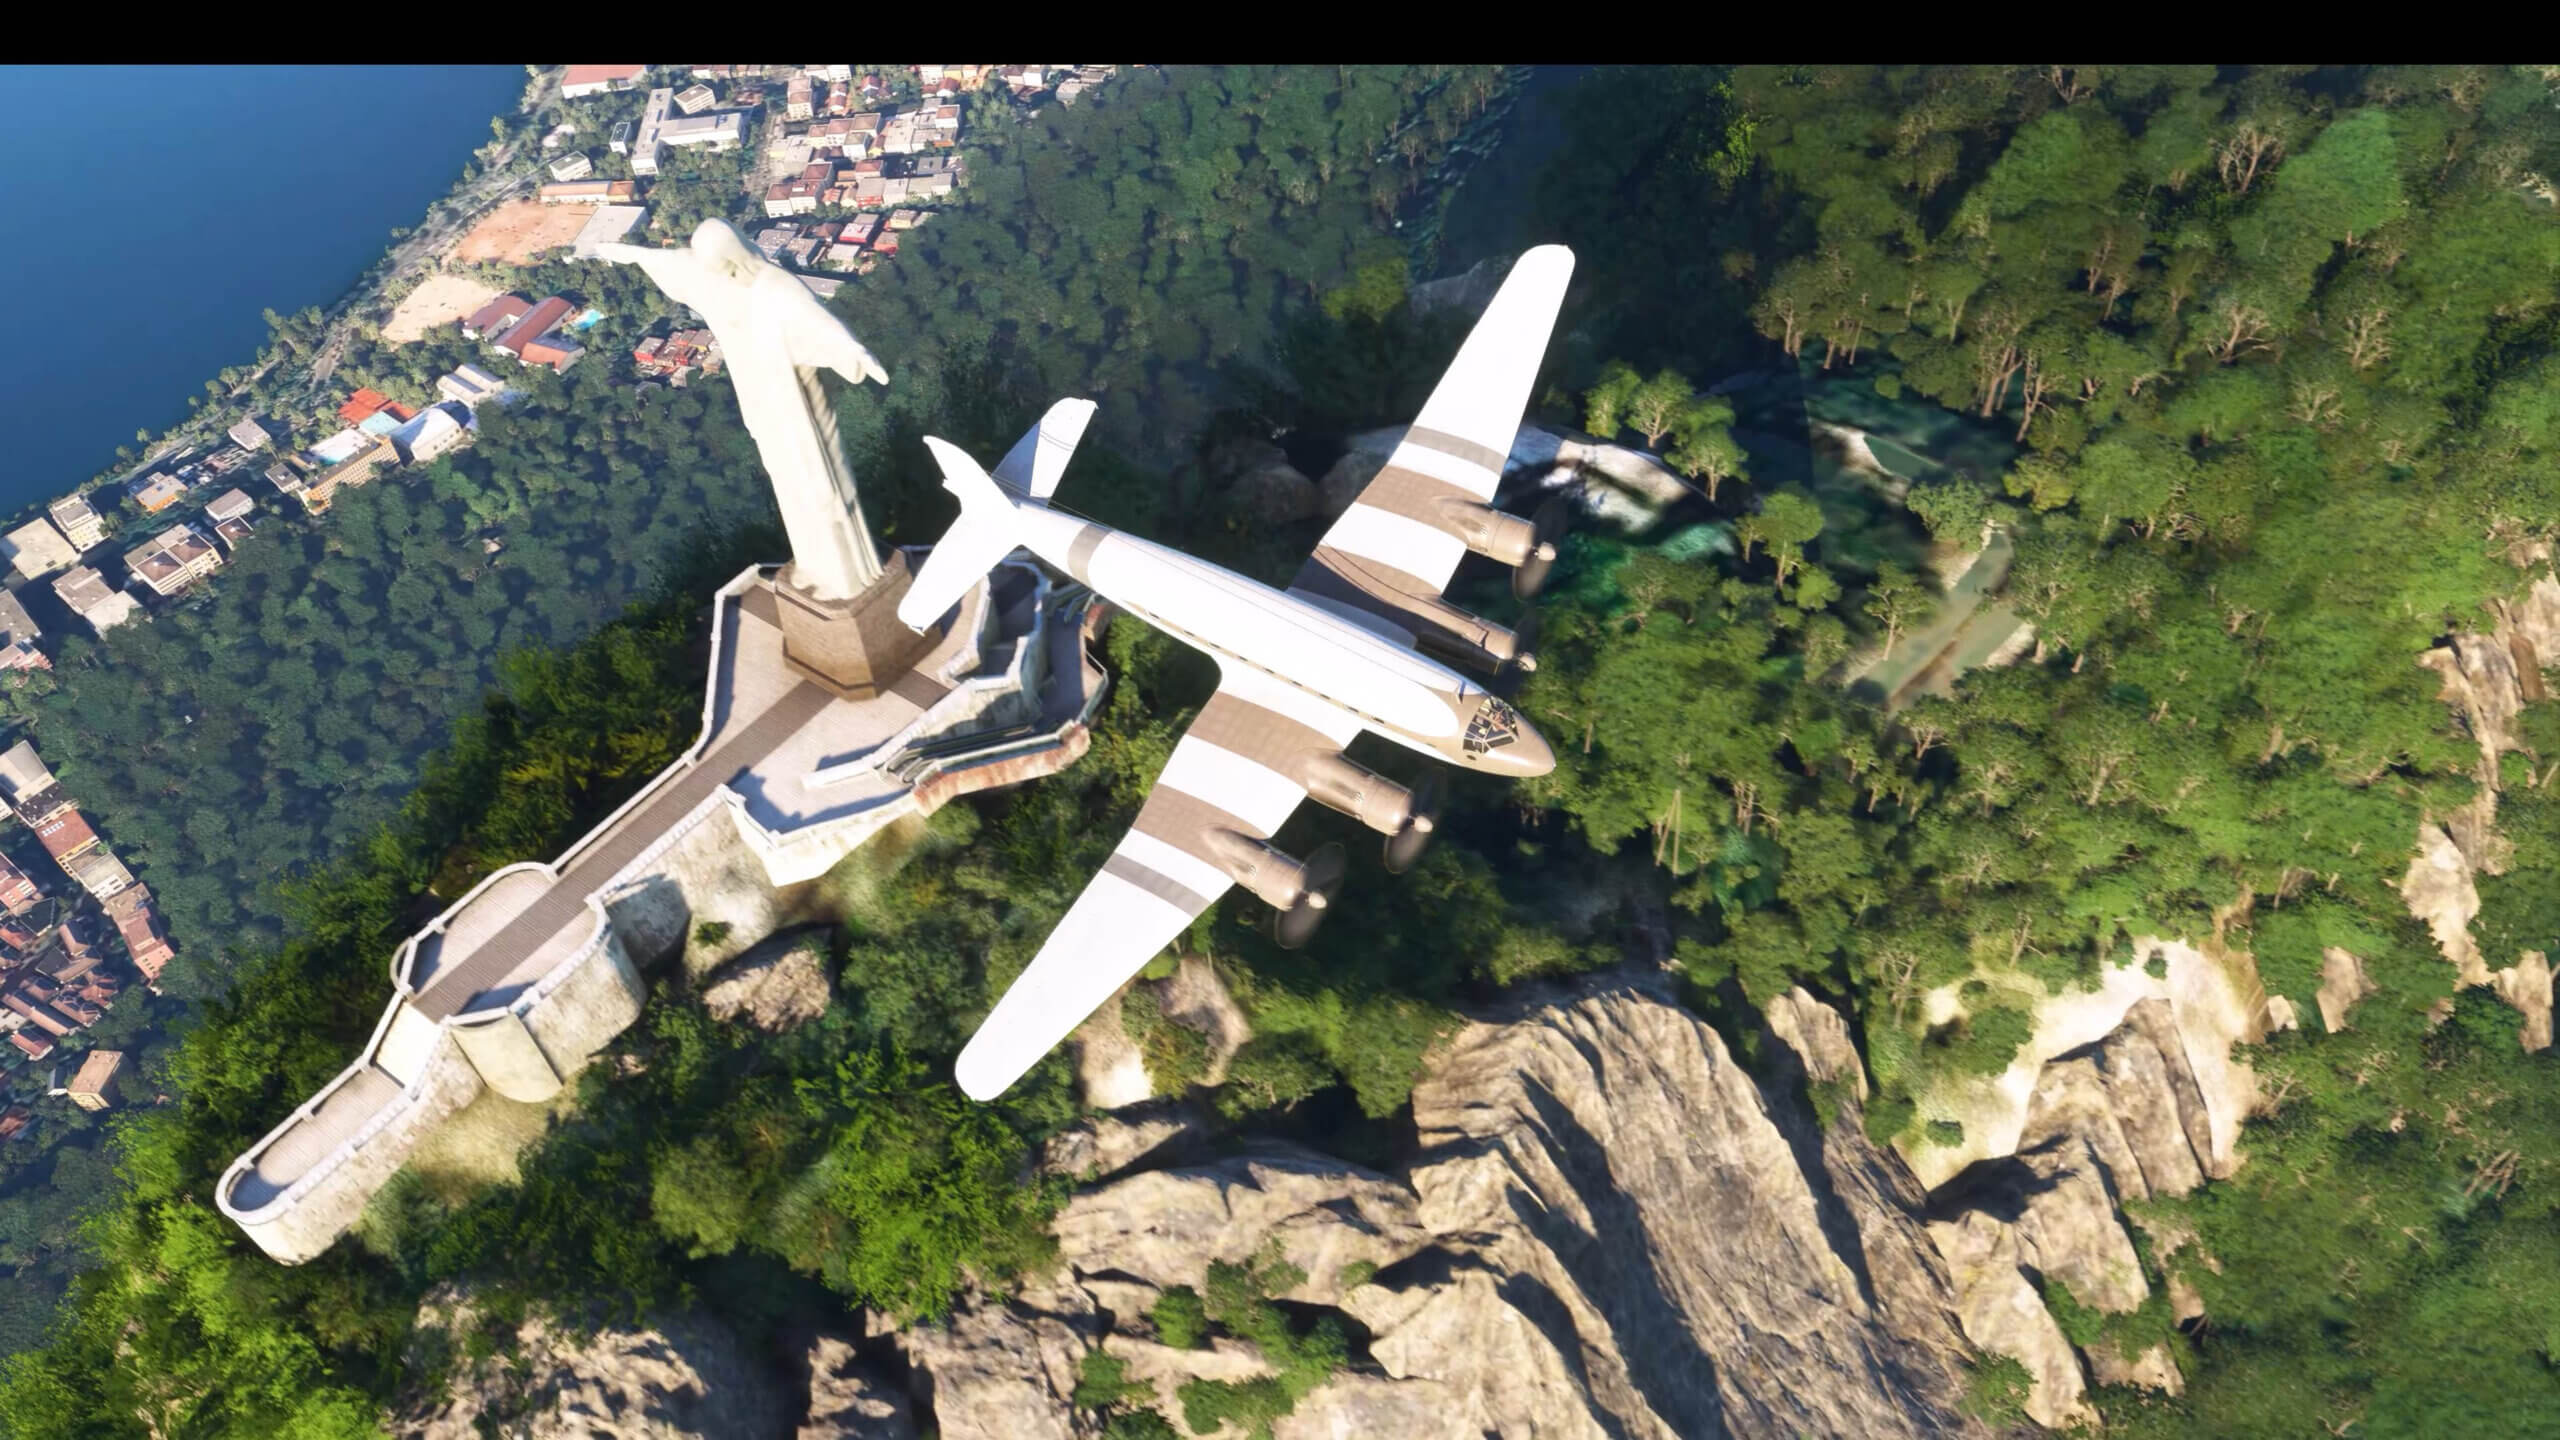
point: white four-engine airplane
(1301, 672)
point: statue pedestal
(855, 648)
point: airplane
(1302, 672)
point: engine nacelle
(1493, 534)
(1481, 643)
(1357, 791)
(1275, 877)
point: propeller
(1423, 820)
(1524, 657)
(1552, 520)
(1296, 925)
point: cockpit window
(1494, 723)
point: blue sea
(149, 214)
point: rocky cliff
(1611, 1228)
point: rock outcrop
(848, 1403)
(2121, 1119)
(778, 984)
(1612, 1230)
(1261, 485)
(680, 1376)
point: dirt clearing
(439, 299)
(521, 229)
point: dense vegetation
(2271, 349)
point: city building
(694, 99)
(78, 523)
(646, 145)
(719, 130)
(589, 192)
(174, 559)
(249, 434)
(17, 893)
(18, 636)
(138, 922)
(361, 406)
(554, 349)
(28, 784)
(573, 167)
(356, 469)
(474, 386)
(536, 323)
(609, 225)
(437, 429)
(798, 99)
(36, 549)
(101, 605)
(580, 81)
(34, 1047)
(65, 834)
(495, 317)
(157, 492)
(98, 871)
(620, 141)
(229, 513)
(94, 1087)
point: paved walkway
(450, 990)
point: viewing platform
(518, 984)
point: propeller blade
(1297, 925)
(1405, 847)
(1552, 520)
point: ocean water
(149, 214)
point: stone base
(856, 648)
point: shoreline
(418, 251)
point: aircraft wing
(1388, 557)
(1231, 771)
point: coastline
(411, 255)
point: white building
(437, 429)
(610, 223)
(573, 167)
(91, 598)
(77, 521)
(248, 434)
(696, 98)
(725, 130)
(473, 387)
(645, 143)
(36, 549)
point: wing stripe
(1330, 725)
(1479, 482)
(1224, 778)
(1484, 457)
(1174, 863)
(1080, 551)
(1416, 547)
(1184, 820)
(1157, 883)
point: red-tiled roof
(497, 315)
(364, 404)
(66, 834)
(536, 321)
(600, 74)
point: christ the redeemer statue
(776, 337)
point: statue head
(718, 242)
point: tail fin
(983, 535)
(1032, 467)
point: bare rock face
(1103, 1146)
(2342, 983)
(1614, 1231)
(775, 986)
(684, 1376)
(1262, 485)
(1349, 476)
(2121, 1119)
(999, 1371)
(1634, 1240)
(847, 1404)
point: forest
(2272, 348)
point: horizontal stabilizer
(1035, 462)
(983, 535)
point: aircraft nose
(1530, 754)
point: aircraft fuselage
(1393, 691)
